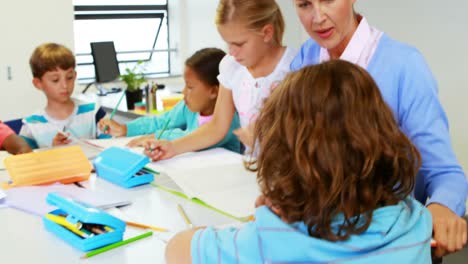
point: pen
(115, 245)
(113, 111)
(184, 216)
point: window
(138, 28)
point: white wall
(195, 18)
(24, 26)
(439, 30)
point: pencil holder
(83, 226)
(122, 167)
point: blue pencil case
(80, 225)
(122, 167)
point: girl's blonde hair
(255, 14)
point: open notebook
(216, 177)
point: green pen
(113, 111)
(162, 132)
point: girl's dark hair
(329, 146)
(205, 63)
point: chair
(15, 124)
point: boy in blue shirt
(200, 95)
(336, 175)
(53, 69)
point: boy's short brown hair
(50, 56)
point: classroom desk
(24, 239)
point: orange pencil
(146, 226)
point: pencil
(161, 133)
(146, 226)
(116, 245)
(184, 216)
(114, 110)
(164, 129)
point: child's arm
(204, 137)
(113, 128)
(14, 144)
(151, 124)
(178, 249)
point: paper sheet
(32, 199)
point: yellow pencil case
(64, 165)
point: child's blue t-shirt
(182, 122)
(40, 129)
(397, 234)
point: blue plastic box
(122, 167)
(78, 213)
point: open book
(217, 177)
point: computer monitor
(105, 61)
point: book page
(230, 188)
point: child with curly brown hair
(336, 175)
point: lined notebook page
(216, 176)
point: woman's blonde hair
(330, 146)
(255, 14)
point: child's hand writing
(61, 139)
(140, 141)
(113, 128)
(159, 149)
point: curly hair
(330, 146)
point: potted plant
(133, 78)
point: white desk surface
(24, 239)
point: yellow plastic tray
(64, 165)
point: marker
(115, 245)
(184, 216)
